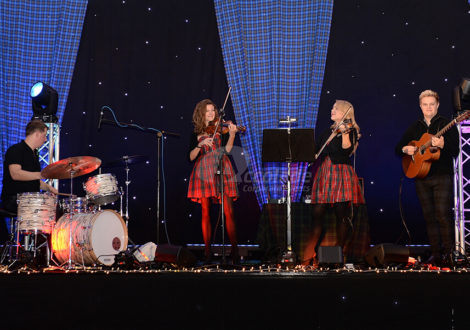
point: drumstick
(64, 194)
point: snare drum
(36, 212)
(96, 237)
(77, 204)
(102, 189)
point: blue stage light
(44, 102)
(37, 89)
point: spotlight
(462, 95)
(45, 101)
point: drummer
(21, 168)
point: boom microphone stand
(160, 134)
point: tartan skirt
(204, 180)
(336, 183)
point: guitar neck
(440, 133)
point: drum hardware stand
(72, 212)
(127, 182)
(30, 245)
(160, 134)
(120, 202)
(10, 243)
(288, 145)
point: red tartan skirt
(204, 181)
(336, 183)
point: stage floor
(246, 297)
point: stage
(245, 297)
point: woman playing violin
(335, 183)
(204, 186)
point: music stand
(288, 145)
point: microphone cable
(400, 206)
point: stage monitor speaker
(386, 254)
(175, 254)
(330, 255)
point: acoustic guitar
(419, 164)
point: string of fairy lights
(249, 270)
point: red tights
(229, 222)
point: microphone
(287, 120)
(101, 118)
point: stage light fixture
(462, 95)
(44, 102)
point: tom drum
(102, 189)
(36, 212)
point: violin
(210, 129)
(348, 127)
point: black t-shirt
(23, 155)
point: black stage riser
(230, 301)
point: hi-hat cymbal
(71, 167)
(126, 160)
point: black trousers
(435, 194)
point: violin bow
(333, 134)
(221, 112)
(226, 99)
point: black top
(194, 142)
(444, 164)
(23, 155)
(334, 149)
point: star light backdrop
(152, 61)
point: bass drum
(96, 237)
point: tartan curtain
(274, 53)
(38, 42)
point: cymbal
(126, 160)
(72, 166)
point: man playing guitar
(434, 189)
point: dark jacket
(334, 149)
(444, 165)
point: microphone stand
(288, 256)
(160, 134)
(220, 173)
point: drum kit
(85, 234)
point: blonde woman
(336, 183)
